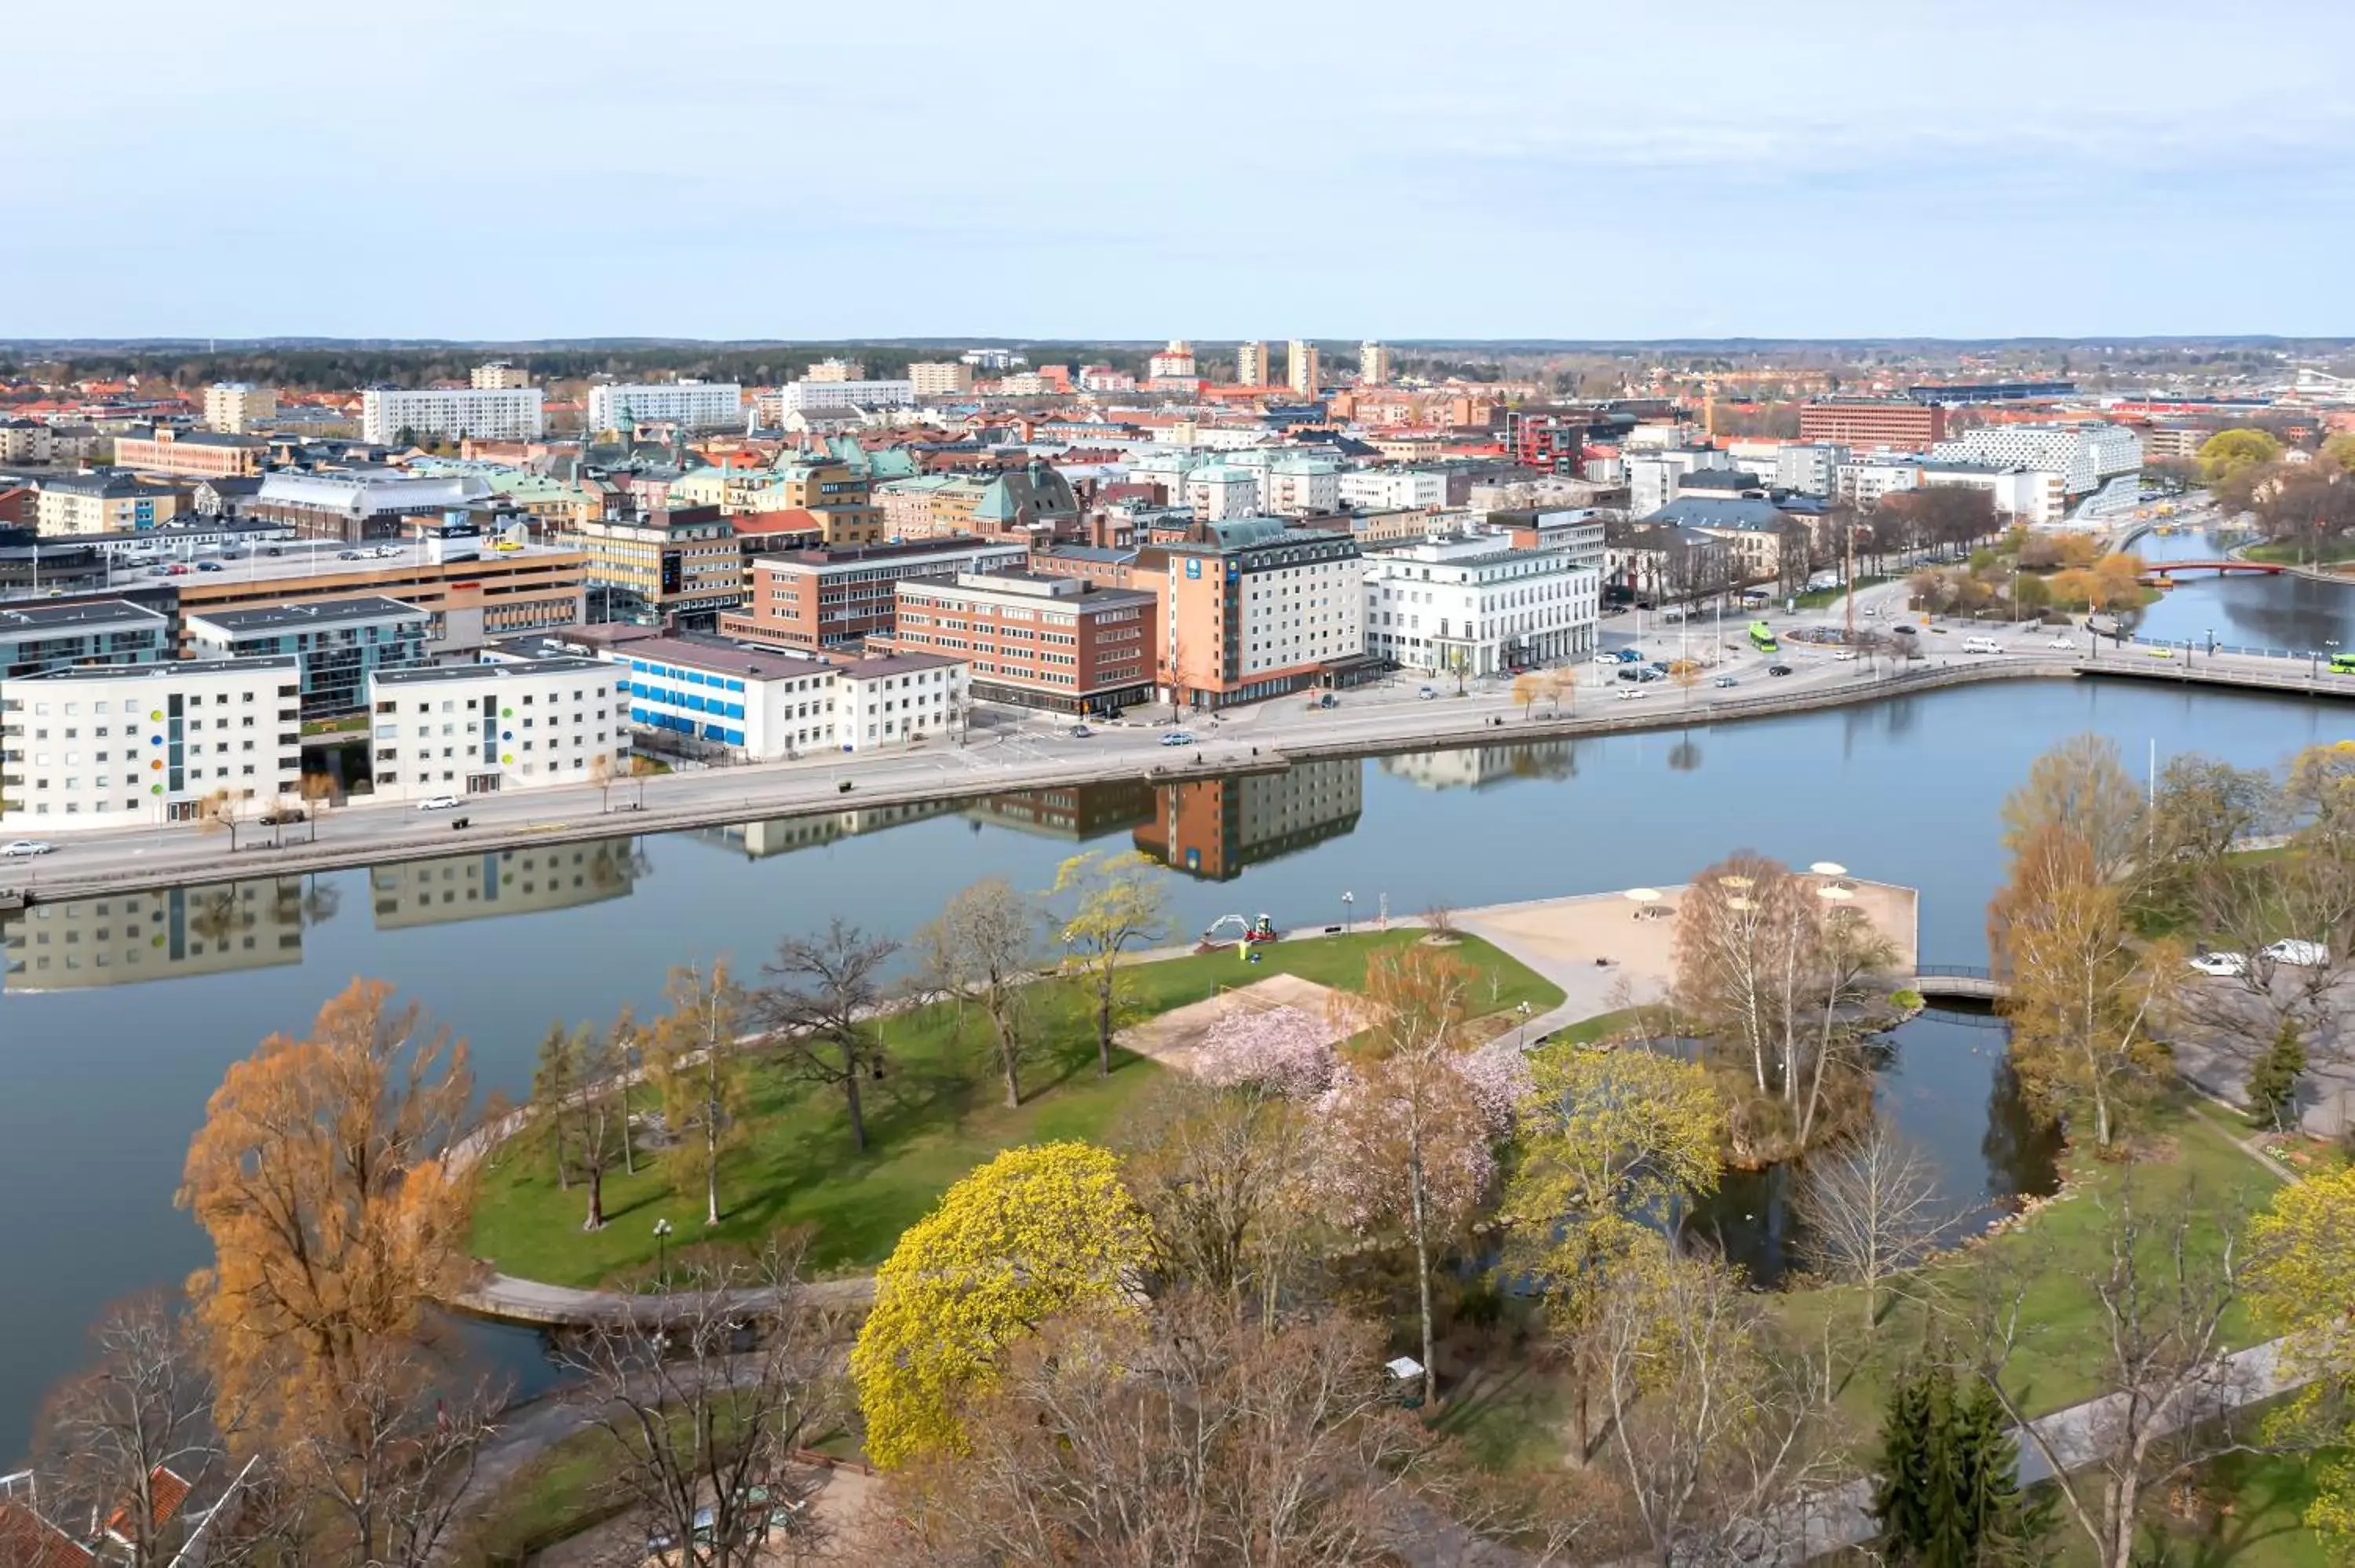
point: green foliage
(1034, 1232)
(2274, 1075)
(2227, 453)
(1947, 1495)
(1906, 999)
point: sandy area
(1172, 1038)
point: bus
(2342, 663)
(1763, 638)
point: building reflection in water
(1475, 765)
(173, 933)
(483, 886)
(1214, 828)
(783, 835)
(1076, 811)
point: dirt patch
(1174, 1037)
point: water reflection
(1484, 766)
(1214, 828)
(208, 928)
(483, 886)
(2293, 614)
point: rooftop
(86, 617)
(442, 674)
(362, 611)
(745, 658)
(170, 670)
(894, 664)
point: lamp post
(1521, 1031)
(662, 1246)
(1348, 904)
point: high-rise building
(234, 407)
(499, 375)
(836, 370)
(1866, 423)
(939, 378)
(1373, 365)
(389, 414)
(1175, 362)
(1300, 367)
(697, 404)
(1251, 362)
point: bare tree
(1871, 1211)
(706, 1407)
(983, 951)
(821, 1012)
(383, 1478)
(2168, 1285)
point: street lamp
(661, 1245)
(1349, 903)
(1521, 1030)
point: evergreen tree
(554, 1078)
(1900, 1500)
(2274, 1075)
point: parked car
(438, 803)
(1631, 655)
(1426, 693)
(347, 555)
(1329, 701)
(2226, 965)
(1080, 732)
(1778, 669)
(1604, 657)
(2299, 954)
(286, 816)
(19, 849)
(1178, 738)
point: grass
(1601, 1026)
(2247, 1511)
(555, 1497)
(2290, 553)
(338, 726)
(2060, 1360)
(938, 1112)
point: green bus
(2342, 663)
(1763, 638)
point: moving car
(2226, 966)
(1179, 738)
(1981, 645)
(2299, 954)
(284, 816)
(1725, 681)
(1080, 732)
(438, 803)
(211, 566)
(347, 555)
(2062, 643)
(1845, 656)
(2162, 652)
(1778, 669)
(17, 849)
(1426, 693)
(1633, 692)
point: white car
(2224, 966)
(1607, 658)
(1845, 656)
(2300, 954)
(1630, 694)
(438, 803)
(18, 849)
(2063, 643)
(1179, 738)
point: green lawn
(938, 1112)
(2291, 553)
(2248, 1512)
(555, 1495)
(2059, 1361)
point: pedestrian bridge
(2162, 574)
(1959, 982)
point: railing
(1964, 971)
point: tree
(1185, 1438)
(580, 1093)
(601, 778)
(983, 951)
(1405, 1138)
(2082, 785)
(2084, 997)
(2229, 453)
(223, 810)
(2274, 1079)
(1871, 1211)
(2301, 1284)
(319, 1175)
(1035, 1232)
(318, 792)
(1121, 906)
(1270, 1051)
(385, 1482)
(556, 1077)
(1525, 693)
(2166, 1288)
(2202, 807)
(822, 1015)
(699, 1072)
(1948, 1493)
(704, 1409)
(2339, 450)
(139, 1420)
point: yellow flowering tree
(2302, 1282)
(1032, 1234)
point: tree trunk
(1008, 1060)
(596, 1220)
(629, 1157)
(1104, 1020)
(710, 1163)
(850, 1093)
(1421, 1264)
(563, 1172)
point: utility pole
(1848, 629)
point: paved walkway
(517, 1300)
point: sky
(519, 169)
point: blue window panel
(639, 666)
(637, 715)
(735, 738)
(735, 685)
(735, 710)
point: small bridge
(1959, 982)
(2162, 574)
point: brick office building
(1898, 423)
(823, 599)
(1055, 642)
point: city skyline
(1564, 172)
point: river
(119, 1015)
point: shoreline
(795, 790)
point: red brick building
(825, 598)
(1898, 423)
(1055, 642)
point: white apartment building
(1176, 362)
(1862, 481)
(235, 408)
(695, 405)
(899, 699)
(2086, 457)
(1291, 485)
(843, 397)
(136, 745)
(1478, 606)
(2032, 495)
(511, 414)
(1252, 365)
(761, 703)
(1652, 476)
(1300, 367)
(1218, 492)
(1391, 488)
(940, 378)
(1807, 468)
(1374, 363)
(1104, 378)
(473, 729)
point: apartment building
(2086, 457)
(393, 416)
(1292, 484)
(1218, 492)
(336, 644)
(900, 699)
(37, 638)
(101, 503)
(845, 397)
(1174, 363)
(941, 378)
(1896, 422)
(468, 598)
(675, 562)
(1654, 477)
(1391, 489)
(127, 746)
(239, 408)
(759, 703)
(691, 405)
(473, 729)
(838, 370)
(1252, 363)
(1373, 365)
(1250, 610)
(194, 454)
(499, 376)
(1300, 368)
(1061, 643)
(1478, 606)
(823, 599)
(27, 442)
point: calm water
(2246, 612)
(118, 1016)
